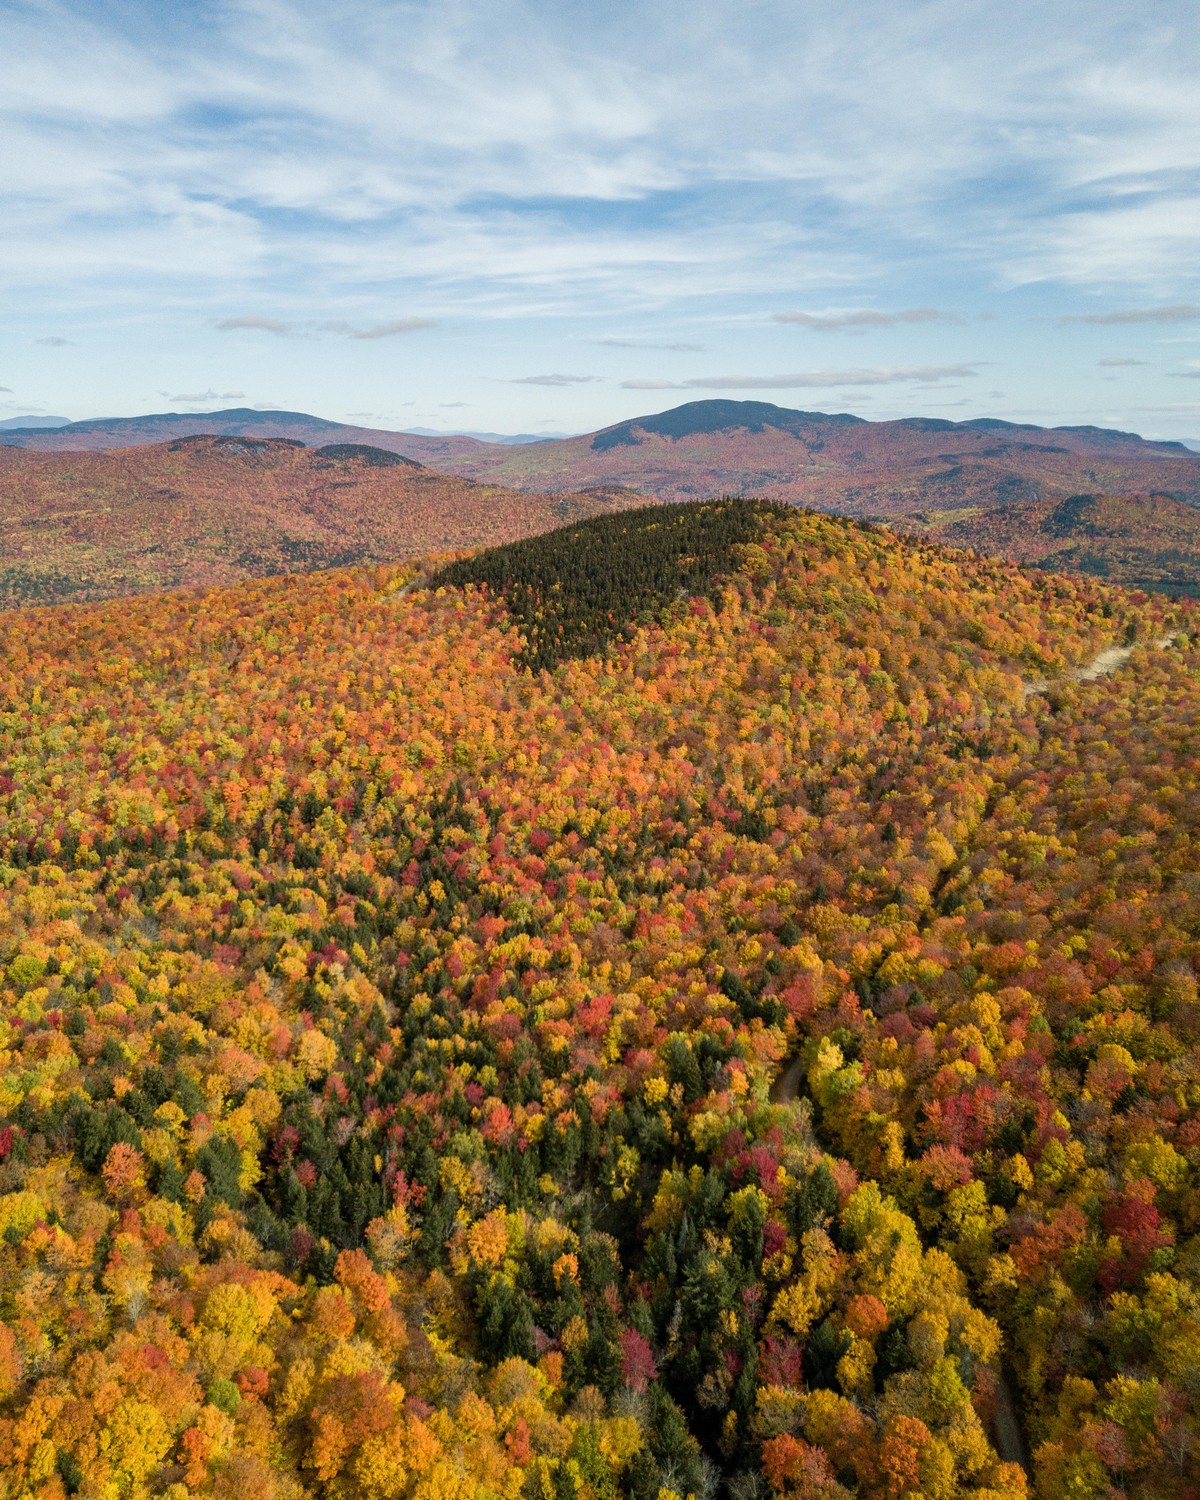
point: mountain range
(128, 504)
(833, 461)
(203, 511)
(32, 424)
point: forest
(202, 511)
(399, 967)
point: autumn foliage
(392, 1036)
(202, 511)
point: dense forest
(1142, 541)
(704, 1003)
(202, 511)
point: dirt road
(1103, 664)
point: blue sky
(480, 214)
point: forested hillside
(119, 509)
(1145, 541)
(399, 972)
(833, 461)
(203, 511)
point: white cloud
(1178, 312)
(256, 324)
(1117, 363)
(390, 330)
(514, 162)
(647, 344)
(809, 379)
(855, 320)
(556, 380)
(278, 108)
(199, 396)
(382, 330)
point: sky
(548, 217)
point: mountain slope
(965, 475)
(134, 432)
(203, 511)
(838, 463)
(1143, 541)
(389, 1029)
(832, 461)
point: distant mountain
(203, 511)
(835, 462)
(243, 421)
(1142, 541)
(27, 424)
(130, 432)
(492, 437)
(962, 475)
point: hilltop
(703, 448)
(202, 511)
(839, 462)
(399, 970)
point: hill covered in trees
(837, 462)
(203, 511)
(267, 492)
(1144, 541)
(102, 433)
(398, 971)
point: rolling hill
(662, 1010)
(1142, 541)
(839, 463)
(250, 501)
(835, 462)
(248, 422)
(202, 511)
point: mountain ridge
(201, 511)
(953, 479)
(691, 418)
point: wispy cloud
(648, 344)
(257, 325)
(53, 342)
(557, 380)
(382, 330)
(566, 174)
(191, 398)
(1118, 363)
(810, 379)
(1177, 312)
(859, 319)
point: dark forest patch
(575, 591)
(373, 458)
